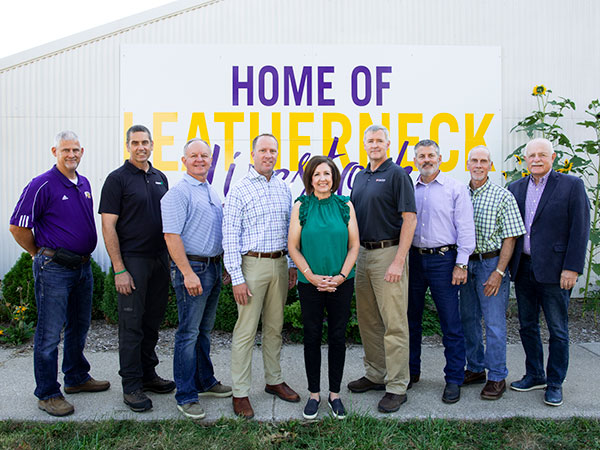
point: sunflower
(524, 173)
(519, 160)
(539, 90)
(505, 175)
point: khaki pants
(381, 308)
(267, 280)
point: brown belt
(205, 259)
(271, 255)
(379, 244)
(482, 256)
(49, 252)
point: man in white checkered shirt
(255, 228)
(498, 223)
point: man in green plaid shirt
(498, 223)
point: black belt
(73, 260)
(205, 259)
(482, 256)
(435, 251)
(271, 255)
(379, 244)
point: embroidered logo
(65, 197)
(380, 180)
(87, 194)
(158, 182)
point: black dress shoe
(451, 393)
(414, 378)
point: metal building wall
(553, 42)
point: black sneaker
(337, 408)
(158, 385)
(311, 410)
(451, 393)
(137, 401)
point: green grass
(357, 432)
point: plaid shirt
(496, 216)
(256, 218)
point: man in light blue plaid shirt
(255, 228)
(498, 223)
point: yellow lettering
(403, 120)
(275, 131)
(328, 120)
(296, 141)
(434, 133)
(198, 123)
(364, 123)
(472, 138)
(228, 120)
(160, 141)
(127, 124)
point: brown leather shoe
(493, 390)
(363, 384)
(474, 377)
(242, 407)
(283, 391)
(90, 385)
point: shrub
(226, 310)
(18, 289)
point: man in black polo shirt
(383, 197)
(132, 229)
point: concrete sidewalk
(582, 398)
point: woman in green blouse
(323, 242)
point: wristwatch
(462, 266)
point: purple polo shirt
(60, 212)
(444, 216)
(532, 200)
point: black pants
(140, 316)
(314, 304)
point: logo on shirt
(158, 182)
(87, 194)
(65, 197)
(380, 180)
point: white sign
(315, 100)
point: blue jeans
(64, 298)
(532, 297)
(435, 272)
(192, 368)
(473, 306)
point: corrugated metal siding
(543, 41)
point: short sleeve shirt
(134, 195)
(379, 198)
(60, 212)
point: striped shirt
(193, 210)
(497, 216)
(256, 218)
(532, 200)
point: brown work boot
(363, 384)
(474, 377)
(90, 385)
(493, 390)
(56, 406)
(283, 391)
(242, 407)
(391, 402)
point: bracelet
(307, 267)
(500, 272)
(342, 275)
(122, 271)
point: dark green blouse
(324, 237)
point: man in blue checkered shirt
(498, 223)
(255, 228)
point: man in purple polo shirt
(58, 206)
(545, 264)
(443, 240)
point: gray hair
(542, 141)
(191, 141)
(480, 147)
(427, 143)
(65, 136)
(137, 129)
(375, 129)
(255, 140)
